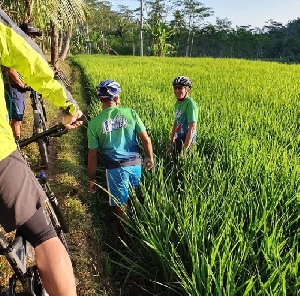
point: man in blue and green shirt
(184, 130)
(115, 132)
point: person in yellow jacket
(15, 88)
(21, 196)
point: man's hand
(148, 163)
(92, 187)
(70, 121)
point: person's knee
(17, 122)
(120, 211)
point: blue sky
(244, 12)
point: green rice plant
(232, 226)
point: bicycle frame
(37, 101)
(15, 253)
(40, 125)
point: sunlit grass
(233, 228)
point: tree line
(157, 27)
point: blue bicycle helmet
(108, 89)
(182, 80)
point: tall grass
(233, 228)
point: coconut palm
(57, 15)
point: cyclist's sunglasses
(180, 87)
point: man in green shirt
(115, 132)
(184, 130)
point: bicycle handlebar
(58, 129)
(54, 131)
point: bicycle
(40, 125)
(40, 117)
(16, 251)
(51, 204)
(60, 75)
(16, 254)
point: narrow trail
(86, 253)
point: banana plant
(159, 34)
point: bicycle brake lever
(83, 117)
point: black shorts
(20, 193)
(38, 228)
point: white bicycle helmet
(182, 80)
(108, 89)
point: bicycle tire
(60, 217)
(27, 275)
(63, 77)
(54, 203)
(39, 125)
(56, 224)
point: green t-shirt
(185, 113)
(114, 131)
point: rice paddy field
(232, 227)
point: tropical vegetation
(232, 226)
(159, 28)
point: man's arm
(15, 78)
(147, 145)
(172, 139)
(92, 166)
(189, 135)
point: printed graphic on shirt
(177, 113)
(113, 124)
(178, 130)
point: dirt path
(86, 253)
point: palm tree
(59, 15)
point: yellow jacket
(17, 51)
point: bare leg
(16, 127)
(120, 216)
(55, 268)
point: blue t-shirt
(114, 131)
(185, 113)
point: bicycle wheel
(39, 125)
(25, 270)
(56, 224)
(42, 179)
(60, 75)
